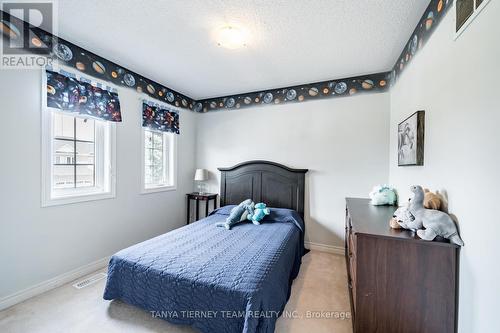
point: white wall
(36, 243)
(343, 142)
(456, 83)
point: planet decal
(414, 45)
(8, 29)
(63, 52)
(277, 101)
(382, 83)
(367, 84)
(198, 107)
(313, 91)
(291, 94)
(151, 89)
(301, 98)
(268, 98)
(440, 6)
(160, 93)
(221, 104)
(213, 105)
(176, 103)
(429, 21)
(36, 42)
(139, 89)
(184, 102)
(230, 102)
(51, 90)
(98, 67)
(114, 74)
(170, 96)
(340, 88)
(129, 80)
(80, 66)
(238, 105)
(352, 91)
(325, 91)
(257, 100)
(247, 100)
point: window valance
(82, 96)
(160, 118)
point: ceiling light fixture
(231, 37)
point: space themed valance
(67, 93)
(159, 118)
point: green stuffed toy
(259, 212)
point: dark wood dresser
(397, 282)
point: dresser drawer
(394, 296)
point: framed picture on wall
(411, 140)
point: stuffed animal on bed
(238, 214)
(259, 212)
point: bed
(219, 280)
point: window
(465, 12)
(158, 162)
(78, 158)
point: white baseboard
(55, 282)
(79, 272)
(325, 248)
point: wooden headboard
(262, 181)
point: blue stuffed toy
(258, 213)
(237, 214)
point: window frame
(105, 158)
(169, 155)
(476, 11)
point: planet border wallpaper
(313, 91)
(96, 66)
(101, 68)
(431, 18)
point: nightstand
(200, 197)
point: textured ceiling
(292, 42)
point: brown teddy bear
(432, 200)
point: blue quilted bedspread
(213, 279)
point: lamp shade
(201, 174)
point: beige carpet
(319, 295)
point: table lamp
(201, 175)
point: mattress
(215, 280)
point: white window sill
(156, 189)
(77, 198)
